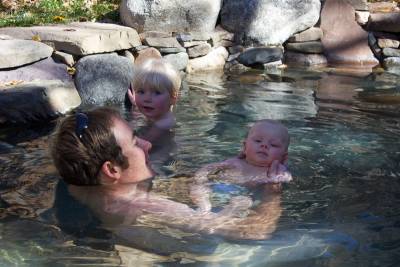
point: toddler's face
(153, 103)
(264, 144)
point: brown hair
(79, 160)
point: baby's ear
(174, 98)
(285, 159)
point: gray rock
(200, 36)
(80, 38)
(268, 22)
(129, 56)
(300, 59)
(221, 37)
(103, 78)
(162, 42)
(15, 53)
(199, 50)
(373, 44)
(359, 4)
(37, 100)
(392, 64)
(46, 69)
(192, 43)
(171, 50)
(64, 58)
(311, 34)
(344, 41)
(154, 34)
(313, 47)
(179, 60)
(236, 49)
(391, 52)
(170, 15)
(386, 22)
(260, 55)
(215, 60)
(184, 37)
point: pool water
(342, 209)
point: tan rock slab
(80, 38)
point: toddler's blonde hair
(157, 74)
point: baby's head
(156, 84)
(267, 140)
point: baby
(263, 160)
(154, 92)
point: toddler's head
(267, 141)
(155, 84)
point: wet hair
(285, 137)
(157, 74)
(79, 153)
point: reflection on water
(341, 210)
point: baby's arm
(278, 173)
(200, 191)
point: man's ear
(110, 172)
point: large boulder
(15, 53)
(344, 41)
(36, 100)
(170, 15)
(46, 69)
(80, 38)
(103, 78)
(268, 22)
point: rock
(236, 49)
(37, 100)
(300, 59)
(184, 37)
(129, 56)
(199, 50)
(162, 42)
(344, 41)
(391, 52)
(213, 61)
(147, 53)
(170, 15)
(64, 58)
(311, 34)
(268, 22)
(386, 22)
(15, 53)
(154, 34)
(362, 17)
(5, 37)
(235, 66)
(46, 69)
(386, 6)
(260, 55)
(193, 43)
(313, 47)
(103, 78)
(200, 36)
(233, 57)
(373, 44)
(179, 60)
(359, 4)
(80, 38)
(171, 50)
(388, 43)
(220, 36)
(392, 64)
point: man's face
(135, 150)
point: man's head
(89, 149)
(156, 85)
(267, 140)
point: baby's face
(264, 144)
(153, 103)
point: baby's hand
(278, 173)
